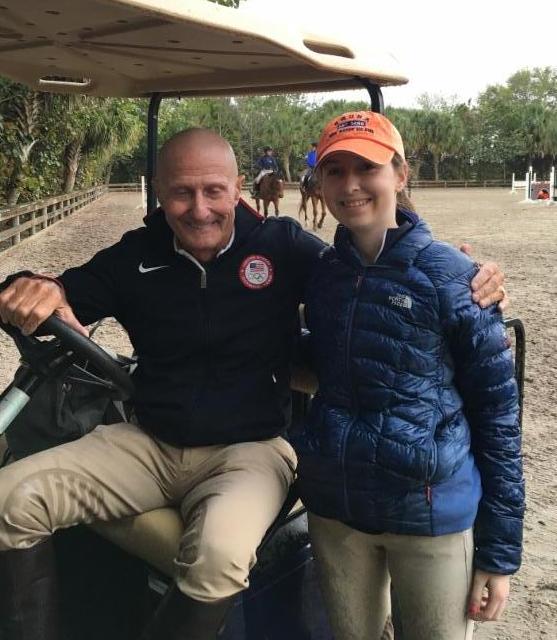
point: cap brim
(367, 149)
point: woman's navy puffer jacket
(415, 427)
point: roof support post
(375, 95)
(152, 139)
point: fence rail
(124, 186)
(414, 184)
(451, 184)
(23, 221)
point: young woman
(410, 464)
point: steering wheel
(47, 357)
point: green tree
(442, 129)
(520, 117)
(21, 111)
(49, 140)
(94, 130)
(411, 125)
(282, 127)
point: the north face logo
(401, 300)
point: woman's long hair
(402, 198)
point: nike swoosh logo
(143, 269)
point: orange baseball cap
(365, 133)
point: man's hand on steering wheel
(28, 301)
(31, 301)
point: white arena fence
(415, 184)
(24, 221)
(532, 186)
(521, 184)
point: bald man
(208, 293)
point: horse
(271, 189)
(310, 189)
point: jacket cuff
(505, 567)
(498, 545)
(29, 274)
(40, 276)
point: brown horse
(310, 190)
(271, 189)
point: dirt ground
(523, 240)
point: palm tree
(21, 110)
(538, 127)
(96, 126)
(411, 125)
(287, 131)
(439, 136)
(278, 121)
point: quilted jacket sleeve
(484, 372)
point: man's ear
(239, 184)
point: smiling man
(208, 292)
(199, 187)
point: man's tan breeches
(228, 496)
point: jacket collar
(402, 245)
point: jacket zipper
(203, 286)
(428, 490)
(203, 301)
(354, 398)
(428, 487)
(357, 286)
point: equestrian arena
(521, 237)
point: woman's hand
(488, 596)
(487, 285)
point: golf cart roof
(191, 47)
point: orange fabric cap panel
(364, 133)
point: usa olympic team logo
(256, 272)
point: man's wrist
(32, 276)
(41, 276)
(15, 276)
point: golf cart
(159, 48)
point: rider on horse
(266, 164)
(311, 161)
